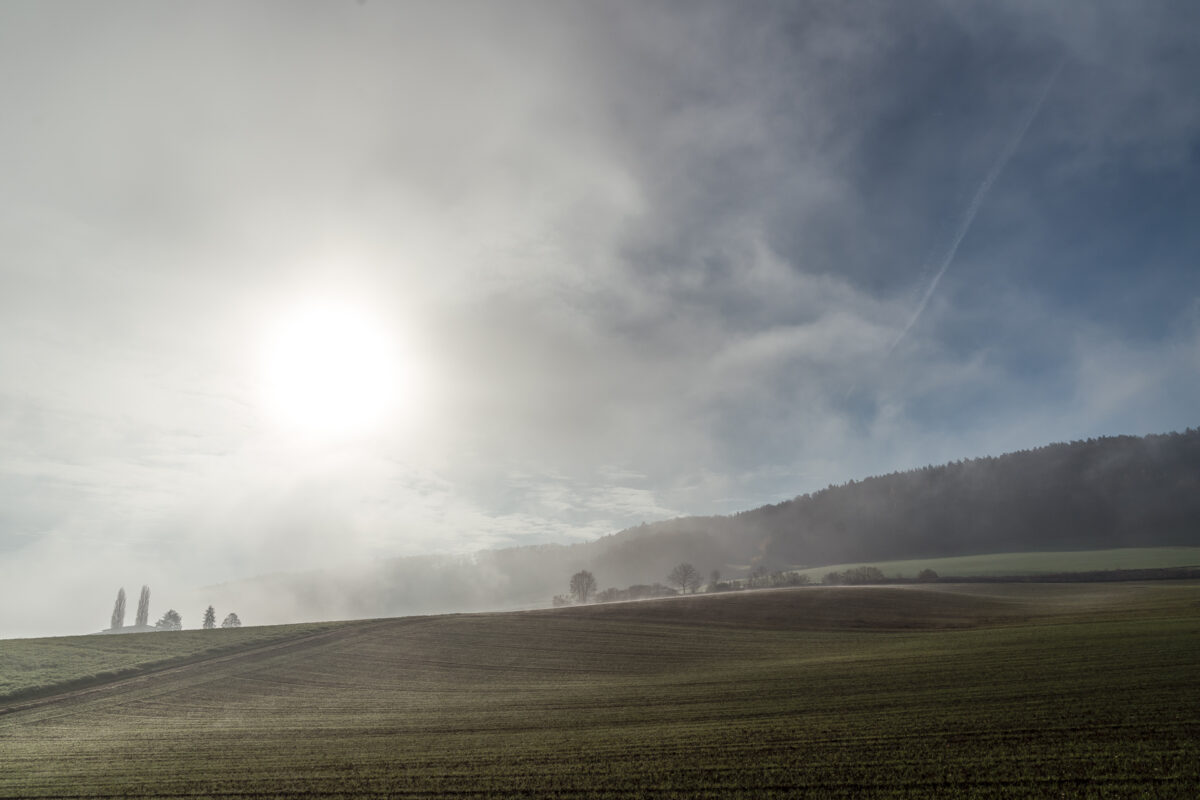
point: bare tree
(143, 612)
(118, 615)
(685, 577)
(583, 584)
(231, 621)
(210, 619)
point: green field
(30, 667)
(996, 564)
(1014, 690)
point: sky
(285, 285)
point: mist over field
(991, 691)
(1110, 504)
(317, 310)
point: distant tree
(714, 577)
(583, 584)
(231, 620)
(856, 576)
(143, 612)
(170, 621)
(210, 619)
(862, 575)
(612, 594)
(780, 578)
(758, 577)
(561, 600)
(609, 595)
(118, 615)
(927, 576)
(685, 577)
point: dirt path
(149, 672)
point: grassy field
(29, 667)
(1013, 690)
(996, 564)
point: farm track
(1091, 699)
(201, 660)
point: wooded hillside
(1121, 491)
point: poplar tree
(118, 615)
(143, 612)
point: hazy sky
(610, 261)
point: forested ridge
(1119, 491)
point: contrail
(980, 196)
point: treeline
(170, 620)
(686, 580)
(1119, 491)
(613, 594)
(1122, 491)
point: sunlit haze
(330, 370)
(299, 286)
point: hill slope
(774, 698)
(36, 667)
(1105, 493)
(1121, 491)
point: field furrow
(1083, 700)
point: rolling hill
(1114, 492)
(965, 691)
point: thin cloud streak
(980, 195)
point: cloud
(648, 258)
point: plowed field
(1006, 691)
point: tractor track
(142, 675)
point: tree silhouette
(583, 584)
(685, 577)
(170, 621)
(859, 576)
(210, 619)
(231, 621)
(143, 612)
(118, 615)
(758, 577)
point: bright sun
(329, 370)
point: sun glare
(330, 370)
